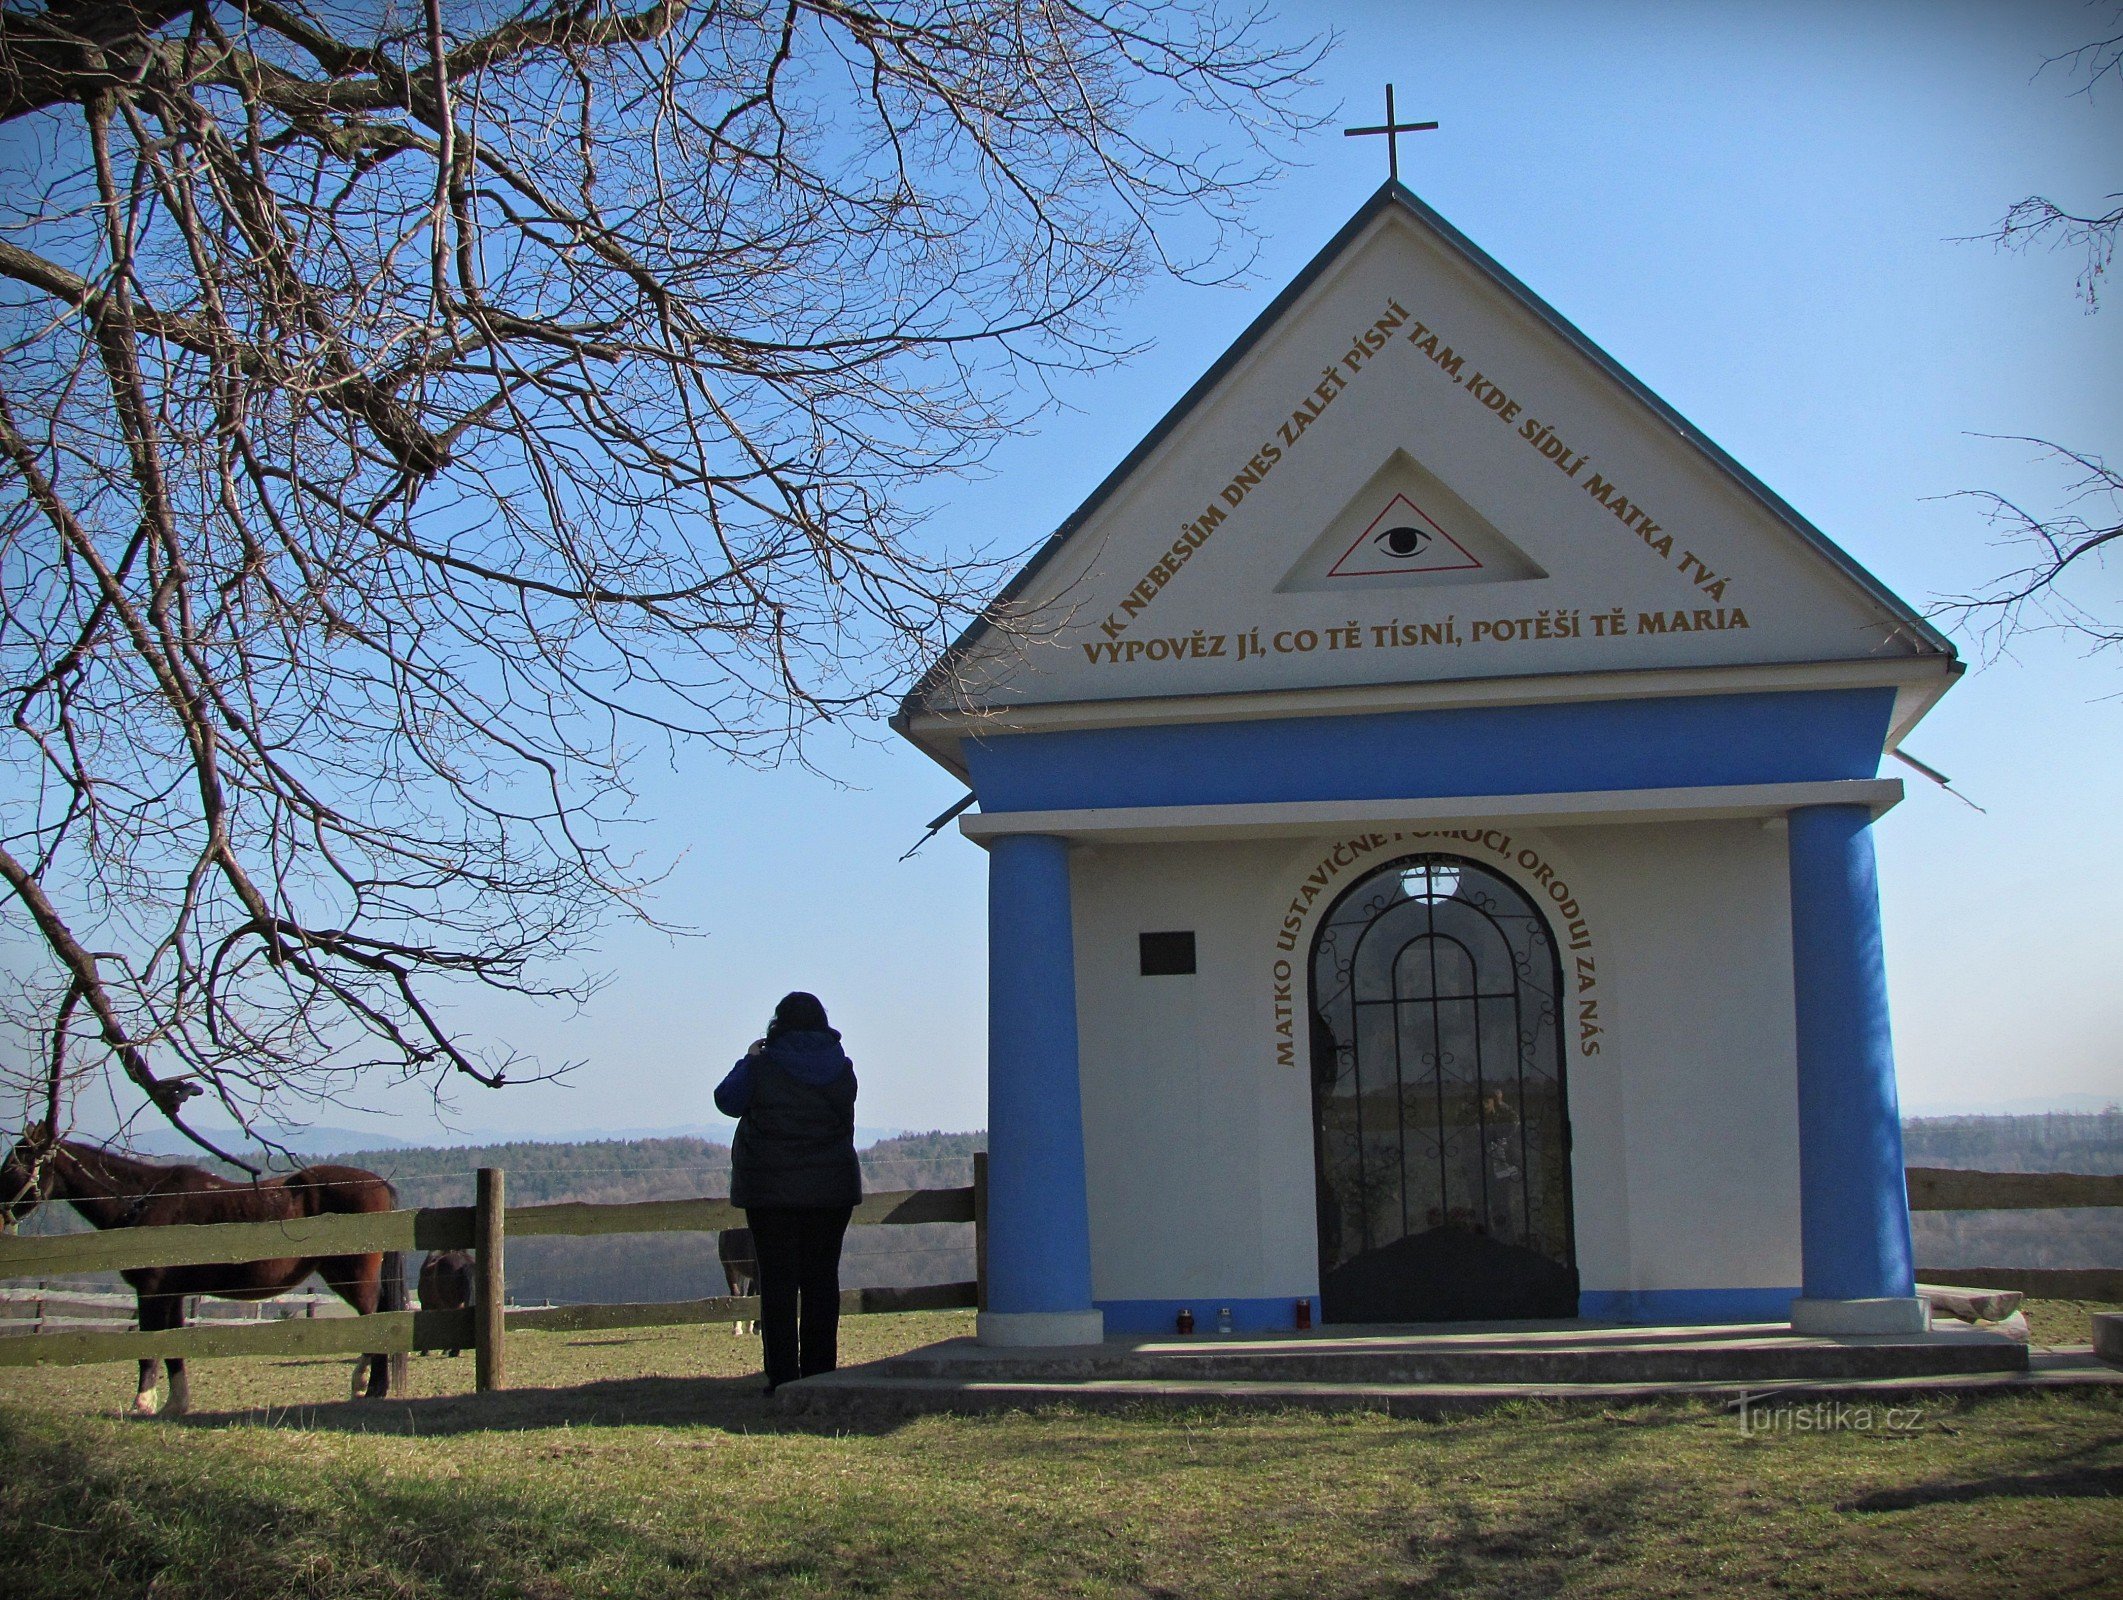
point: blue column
(1039, 1229)
(1853, 1204)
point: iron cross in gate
(1393, 131)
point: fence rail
(64, 1305)
(1956, 1189)
(2043, 1283)
(429, 1228)
(401, 1332)
(1952, 1189)
(483, 1228)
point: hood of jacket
(811, 1055)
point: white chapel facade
(1428, 792)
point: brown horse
(120, 1191)
(446, 1283)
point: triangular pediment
(1413, 471)
(1407, 528)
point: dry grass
(2062, 1322)
(647, 1464)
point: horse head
(26, 1176)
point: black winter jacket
(795, 1109)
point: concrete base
(1438, 1370)
(2108, 1336)
(1841, 1319)
(1556, 1352)
(1017, 1330)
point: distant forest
(613, 1171)
(2060, 1141)
(2057, 1142)
(679, 1266)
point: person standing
(794, 1172)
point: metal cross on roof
(1393, 131)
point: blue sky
(1756, 208)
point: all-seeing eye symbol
(1403, 542)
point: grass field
(648, 1464)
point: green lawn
(647, 1464)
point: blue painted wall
(1643, 1307)
(1682, 1307)
(1248, 1315)
(1546, 749)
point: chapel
(1428, 790)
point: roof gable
(1411, 470)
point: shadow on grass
(738, 1405)
(1543, 1549)
(77, 1521)
(2074, 1483)
(734, 1405)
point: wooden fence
(1951, 1189)
(31, 1308)
(484, 1228)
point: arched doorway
(1441, 1139)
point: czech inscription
(1194, 533)
(1580, 1000)
(1544, 439)
(1249, 640)
(1251, 643)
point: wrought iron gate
(1441, 1140)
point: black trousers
(799, 1286)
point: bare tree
(408, 413)
(2055, 548)
(2037, 219)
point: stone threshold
(870, 1391)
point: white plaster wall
(1197, 1145)
(1697, 938)
(1684, 1123)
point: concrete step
(1470, 1354)
(868, 1393)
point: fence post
(980, 1229)
(489, 1369)
(399, 1364)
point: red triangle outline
(1469, 564)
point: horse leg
(154, 1315)
(180, 1381)
(397, 1370)
(146, 1402)
(365, 1283)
